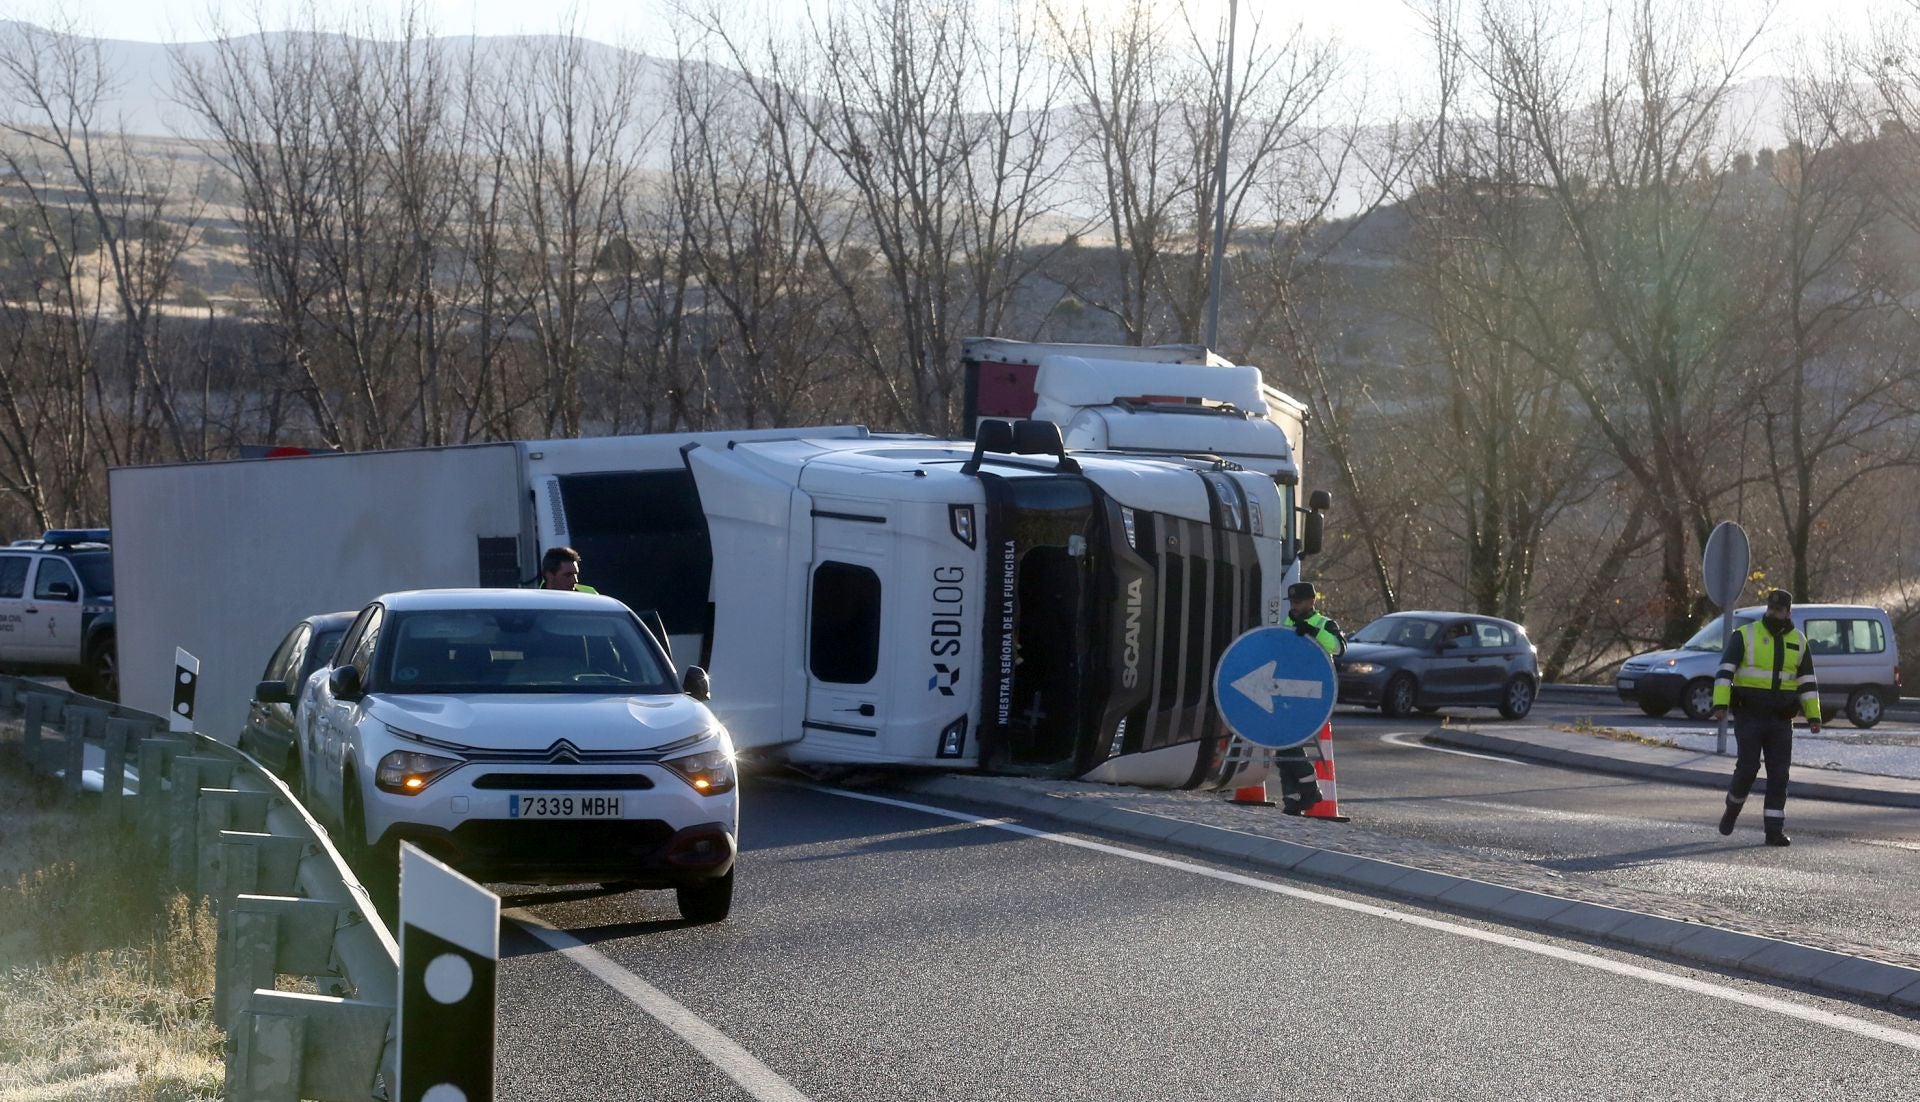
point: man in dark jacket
(1766, 675)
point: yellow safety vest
(1770, 663)
(1328, 641)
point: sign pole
(1724, 567)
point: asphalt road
(880, 952)
(1853, 870)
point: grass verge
(106, 974)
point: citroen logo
(563, 753)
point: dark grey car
(271, 732)
(1433, 660)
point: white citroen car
(528, 736)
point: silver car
(1855, 657)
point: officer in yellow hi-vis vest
(1299, 788)
(1766, 674)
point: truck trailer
(1002, 604)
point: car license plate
(1626, 682)
(562, 806)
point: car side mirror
(61, 591)
(696, 684)
(344, 681)
(272, 692)
(1312, 531)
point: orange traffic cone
(1253, 794)
(1329, 805)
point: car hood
(1656, 661)
(1379, 652)
(534, 721)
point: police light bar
(67, 537)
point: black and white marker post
(449, 953)
(186, 678)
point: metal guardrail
(288, 905)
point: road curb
(1857, 978)
(1802, 788)
(1905, 710)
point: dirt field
(106, 979)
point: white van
(1855, 658)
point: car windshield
(96, 573)
(521, 651)
(1399, 631)
(1709, 637)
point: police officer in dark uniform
(1299, 788)
(1766, 675)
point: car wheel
(1397, 699)
(1697, 698)
(1865, 708)
(707, 901)
(1517, 701)
(377, 866)
(1654, 707)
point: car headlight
(709, 771)
(406, 772)
(1360, 668)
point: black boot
(1728, 816)
(1777, 833)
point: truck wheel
(1697, 698)
(102, 669)
(707, 901)
(1654, 707)
(1517, 701)
(1865, 708)
(1397, 699)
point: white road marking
(739, 1065)
(1888, 843)
(1395, 738)
(1857, 1026)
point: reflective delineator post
(449, 954)
(186, 679)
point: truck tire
(1866, 707)
(707, 901)
(102, 669)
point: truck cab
(1018, 611)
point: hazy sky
(1382, 35)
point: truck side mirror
(1319, 501)
(272, 692)
(60, 591)
(344, 681)
(696, 684)
(1313, 530)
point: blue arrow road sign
(1275, 687)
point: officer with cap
(1766, 674)
(1299, 789)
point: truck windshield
(520, 651)
(1046, 550)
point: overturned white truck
(1001, 604)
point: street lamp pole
(1220, 191)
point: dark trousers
(1762, 735)
(1296, 772)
